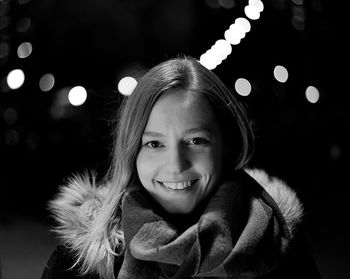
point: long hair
(184, 73)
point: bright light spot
(252, 12)
(258, 4)
(77, 96)
(238, 29)
(127, 85)
(24, 50)
(221, 49)
(312, 94)
(232, 36)
(243, 87)
(210, 60)
(280, 73)
(46, 82)
(244, 23)
(15, 79)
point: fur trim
(285, 197)
(78, 203)
(75, 209)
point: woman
(179, 200)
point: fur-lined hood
(79, 202)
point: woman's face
(181, 157)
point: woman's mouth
(181, 185)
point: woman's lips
(180, 185)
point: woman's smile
(180, 185)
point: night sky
(44, 139)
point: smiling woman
(179, 200)
(182, 149)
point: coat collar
(79, 202)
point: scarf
(240, 233)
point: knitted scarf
(240, 233)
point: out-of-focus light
(258, 4)
(243, 87)
(298, 23)
(238, 29)
(4, 8)
(335, 152)
(15, 79)
(4, 49)
(60, 104)
(24, 50)
(280, 73)
(298, 2)
(127, 85)
(214, 4)
(10, 116)
(22, 2)
(252, 12)
(208, 60)
(12, 137)
(216, 54)
(227, 4)
(46, 82)
(4, 22)
(244, 23)
(23, 24)
(77, 96)
(232, 37)
(221, 49)
(312, 94)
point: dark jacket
(281, 251)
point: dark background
(95, 43)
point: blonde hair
(182, 73)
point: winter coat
(250, 228)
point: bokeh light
(77, 95)
(10, 116)
(280, 73)
(24, 50)
(126, 85)
(15, 79)
(312, 94)
(227, 4)
(244, 23)
(252, 12)
(4, 49)
(47, 82)
(23, 24)
(243, 87)
(258, 4)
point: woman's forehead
(184, 99)
(179, 106)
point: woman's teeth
(178, 185)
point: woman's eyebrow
(198, 130)
(188, 131)
(152, 134)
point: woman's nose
(177, 160)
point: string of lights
(211, 59)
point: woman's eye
(153, 144)
(199, 141)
